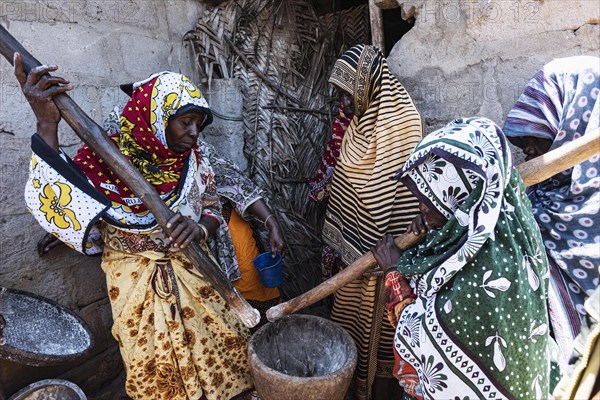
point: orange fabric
(249, 284)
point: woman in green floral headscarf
(478, 327)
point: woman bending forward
(177, 336)
(478, 325)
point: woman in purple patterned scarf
(559, 105)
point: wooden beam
(387, 4)
(376, 16)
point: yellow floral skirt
(178, 338)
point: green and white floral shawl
(479, 326)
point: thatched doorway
(281, 53)
(275, 58)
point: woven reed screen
(282, 54)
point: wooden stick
(376, 17)
(354, 271)
(96, 138)
(532, 172)
(566, 156)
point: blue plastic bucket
(270, 269)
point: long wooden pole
(354, 271)
(376, 17)
(96, 138)
(534, 171)
(568, 155)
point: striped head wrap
(365, 204)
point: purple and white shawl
(560, 103)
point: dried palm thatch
(282, 53)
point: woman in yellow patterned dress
(178, 338)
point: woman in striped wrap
(365, 204)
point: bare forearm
(260, 210)
(39, 88)
(49, 133)
(211, 224)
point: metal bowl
(50, 389)
(40, 332)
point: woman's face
(432, 218)
(346, 102)
(183, 130)
(534, 146)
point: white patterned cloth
(479, 326)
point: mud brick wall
(97, 46)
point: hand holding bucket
(270, 269)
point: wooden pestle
(533, 171)
(355, 270)
(95, 137)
